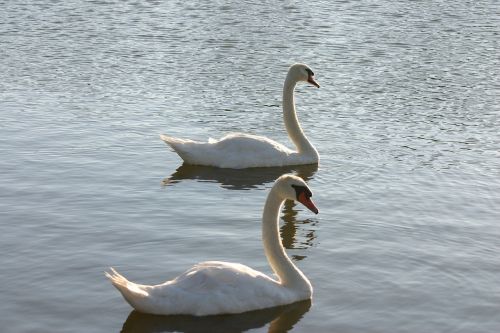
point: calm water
(406, 121)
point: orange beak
(312, 81)
(303, 199)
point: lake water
(406, 121)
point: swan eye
(302, 189)
(310, 72)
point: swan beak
(303, 199)
(312, 81)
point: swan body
(240, 150)
(207, 288)
(237, 151)
(215, 287)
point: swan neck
(290, 119)
(289, 275)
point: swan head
(302, 72)
(295, 188)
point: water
(406, 122)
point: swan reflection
(281, 319)
(296, 234)
(237, 179)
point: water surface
(406, 122)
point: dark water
(406, 121)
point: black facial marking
(302, 189)
(310, 72)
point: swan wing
(235, 150)
(213, 288)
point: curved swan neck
(288, 273)
(290, 118)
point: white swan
(238, 151)
(215, 287)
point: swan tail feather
(170, 140)
(183, 147)
(133, 293)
